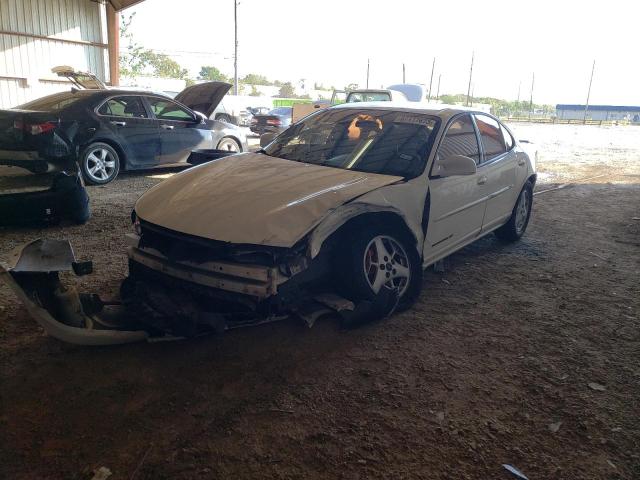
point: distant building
(598, 112)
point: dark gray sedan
(106, 130)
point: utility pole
(517, 112)
(403, 74)
(235, 48)
(533, 80)
(586, 107)
(470, 75)
(433, 66)
(438, 92)
(367, 73)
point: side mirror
(455, 165)
(200, 117)
(267, 138)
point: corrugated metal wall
(26, 60)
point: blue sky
(330, 41)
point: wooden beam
(113, 41)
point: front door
(180, 131)
(497, 171)
(457, 202)
(130, 124)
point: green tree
(255, 79)
(213, 74)
(138, 60)
(287, 91)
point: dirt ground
(492, 366)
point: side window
(124, 107)
(491, 137)
(508, 139)
(460, 139)
(168, 110)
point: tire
(100, 164)
(229, 144)
(517, 224)
(225, 118)
(361, 269)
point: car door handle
(167, 127)
(521, 162)
(482, 180)
(119, 124)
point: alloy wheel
(522, 211)
(100, 165)
(228, 145)
(385, 262)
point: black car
(276, 121)
(107, 130)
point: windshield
(365, 140)
(52, 103)
(369, 97)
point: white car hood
(253, 198)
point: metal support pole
(586, 107)
(235, 48)
(433, 66)
(438, 92)
(404, 78)
(368, 64)
(533, 80)
(470, 75)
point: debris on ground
(554, 427)
(515, 471)
(597, 386)
(101, 473)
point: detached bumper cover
(42, 260)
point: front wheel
(229, 145)
(517, 224)
(377, 259)
(100, 163)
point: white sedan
(361, 196)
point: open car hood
(253, 199)
(203, 97)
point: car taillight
(274, 121)
(38, 128)
(34, 128)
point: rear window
(281, 111)
(53, 103)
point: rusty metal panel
(36, 35)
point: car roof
(436, 109)
(122, 91)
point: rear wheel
(379, 258)
(100, 163)
(517, 224)
(229, 144)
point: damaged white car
(341, 212)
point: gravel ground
(526, 354)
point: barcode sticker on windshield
(416, 119)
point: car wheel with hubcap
(100, 163)
(379, 258)
(229, 144)
(517, 224)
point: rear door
(457, 202)
(180, 131)
(133, 128)
(497, 171)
